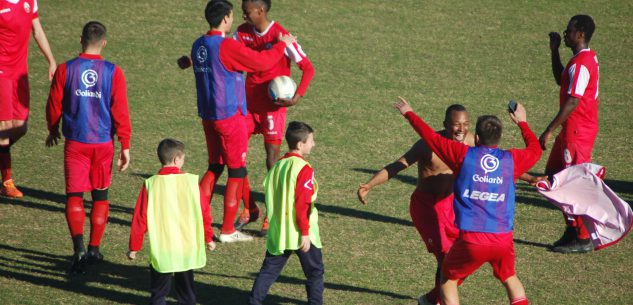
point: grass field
(435, 53)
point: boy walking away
(89, 95)
(290, 193)
(171, 209)
(484, 192)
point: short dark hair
(585, 24)
(216, 10)
(297, 132)
(168, 149)
(266, 3)
(451, 109)
(93, 32)
(489, 129)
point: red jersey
(257, 82)
(16, 23)
(580, 80)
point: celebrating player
(89, 95)
(218, 63)
(267, 117)
(431, 206)
(484, 199)
(18, 18)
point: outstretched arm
(42, 43)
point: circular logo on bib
(89, 78)
(489, 163)
(201, 54)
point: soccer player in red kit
(431, 205)
(18, 18)
(267, 117)
(89, 95)
(578, 116)
(218, 63)
(484, 202)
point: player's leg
(515, 290)
(268, 274)
(313, 269)
(100, 178)
(14, 111)
(216, 164)
(234, 143)
(251, 212)
(184, 286)
(160, 285)
(275, 125)
(461, 261)
(503, 267)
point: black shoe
(79, 263)
(94, 257)
(575, 246)
(569, 235)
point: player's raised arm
(557, 66)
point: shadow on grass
(59, 204)
(533, 244)
(107, 281)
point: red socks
(246, 195)
(520, 301)
(207, 185)
(75, 215)
(5, 163)
(98, 221)
(231, 203)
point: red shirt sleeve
(524, 159)
(207, 217)
(237, 57)
(303, 198)
(139, 221)
(307, 74)
(55, 98)
(36, 10)
(119, 108)
(451, 152)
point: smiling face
(253, 12)
(457, 126)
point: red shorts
(473, 249)
(434, 219)
(87, 167)
(565, 154)
(14, 99)
(227, 141)
(269, 124)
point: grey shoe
(575, 246)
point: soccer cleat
(575, 246)
(8, 189)
(235, 237)
(264, 230)
(79, 263)
(568, 236)
(247, 216)
(94, 257)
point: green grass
(365, 54)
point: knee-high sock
(231, 203)
(249, 202)
(75, 215)
(207, 185)
(5, 163)
(582, 230)
(98, 220)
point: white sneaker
(234, 237)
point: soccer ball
(282, 87)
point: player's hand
(532, 180)
(287, 39)
(184, 62)
(305, 243)
(52, 67)
(131, 255)
(544, 138)
(124, 159)
(554, 41)
(363, 189)
(402, 105)
(519, 115)
(53, 138)
(284, 102)
(211, 246)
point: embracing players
(18, 18)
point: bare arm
(563, 113)
(45, 48)
(557, 66)
(387, 172)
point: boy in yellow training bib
(290, 193)
(178, 221)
